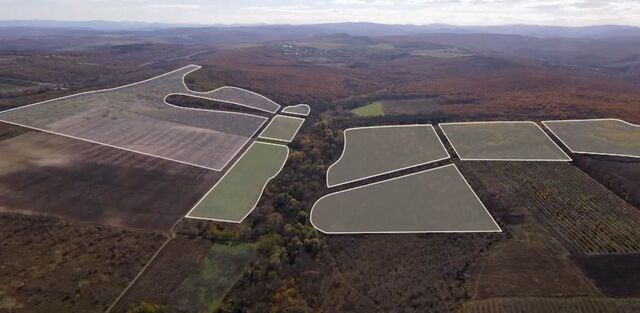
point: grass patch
(219, 271)
(369, 110)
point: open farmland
(510, 141)
(282, 128)
(204, 290)
(584, 214)
(135, 117)
(619, 174)
(410, 106)
(41, 173)
(553, 305)
(49, 265)
(436, 200)
(240, 189)
(599, 136)
(377, 150)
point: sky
(459, 12)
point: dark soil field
(408, 273)
(538, 268)
(49, 265)
(619, 174)
(617, 275)
(166, 273)
(49, 174)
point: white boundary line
(225, 174)
(205, 94)
(195, 67)
(499, 230)
(568, 158)
(112, 146)
(296, 113)
(344, 149)
(589, 120)
(280, 139)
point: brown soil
(176, 261)
(42, 173)
(48, 265)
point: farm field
(553, 305)
(372, 151)
(529, 261)
(49, 265)
(196, 281)
(601, 136)
(298, 109)
(408, 272)
(523, 141)
(369, 110)
(436, 200)
(619, 174)
(240, 189)
(243, 97)
(411, 106)
(282, 128)
(204, 290)
(42, 173)
(135, 117)
(585, 215)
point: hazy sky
(476, 12)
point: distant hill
(274, 32)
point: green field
(410, 106)
(282, 128)
(239, 190)
(219, 271)
(369, 110)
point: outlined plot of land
(502, 141)
(136, 117)
(42, 173)
(282, 128)
(240, 189)
(243, 97)
(377, 150)
(435, 200)
(299, 109)
(598, 136)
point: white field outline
(285, 110)
(568, 158)
(280, 139)
(344, 149)
(225, 174)
(589, 120)
(195, 67)
(499, 230)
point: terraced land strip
(243, 97)
(553, 305)
(588, 217)
(239, 190)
